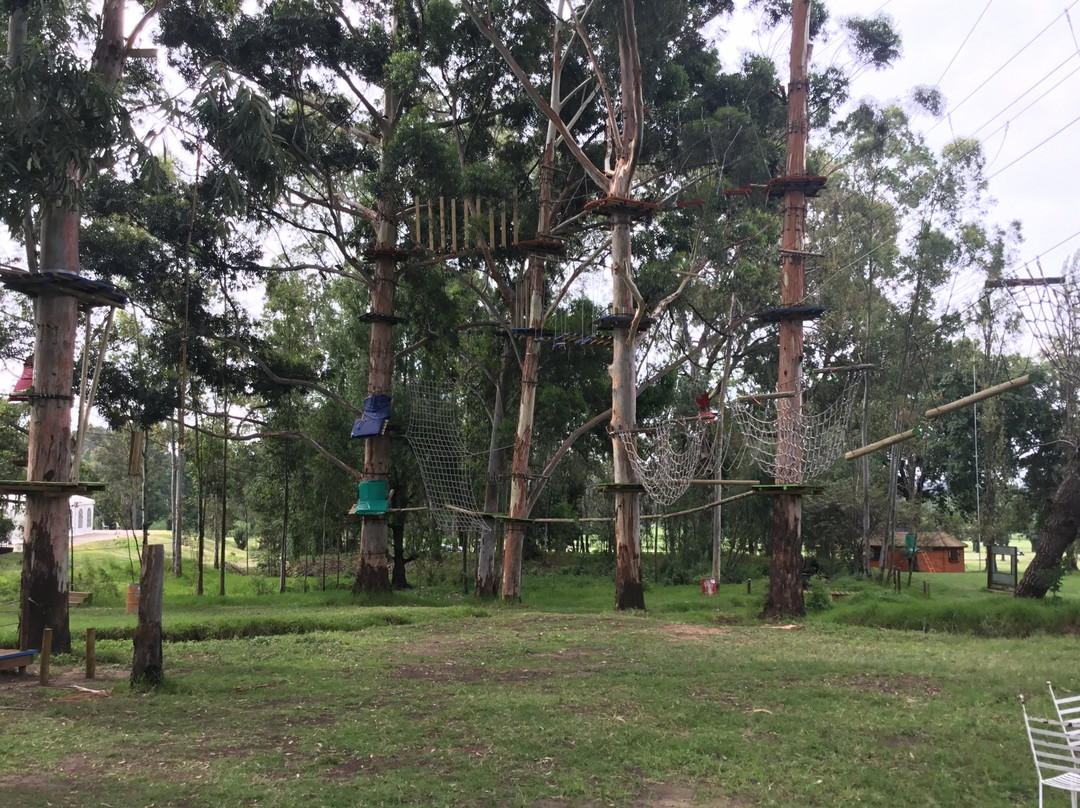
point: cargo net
(1051, 309)
(445, 462)
(668, 456)
(797, 444)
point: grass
(426, 698)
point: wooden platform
(78, 598)
(13, 659)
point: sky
(1010, 74)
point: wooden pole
(430, 227)
(442, 224)
(989, 392)
(453, 225)
(937, 412)
(146, 668)
(46, 655)
(91, 661)
(900, 437)
(785, 595)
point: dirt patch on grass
(466, 674)
(687, 632)
(658, 795)
(889, 684)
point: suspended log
(892, 440)
(989, 392)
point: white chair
(1068, 712)
(1056, 762)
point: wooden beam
(989, 392)
(883, 443)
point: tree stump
(146, 669)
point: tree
(60, 119)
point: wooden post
(442, 224)
(416, 207)
(91, 662)
(749, 584)
(46, 653)
(430, 226)
(146, 666)
(453, 225)
(785, 574)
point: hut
(937, 551)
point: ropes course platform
(372, 317)
(63, 282)
(610, 205)
(808, 185)
(49, 488)
(615, 488)
(787, 313)
(394, 253)
(609, 322)
(796, 489)
(541, 245)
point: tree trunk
(283, 557)
(486, 585)
(1058, 534)
(785, 563)
(629, 588)
(44, 586)
(373, 573)
(147, 667)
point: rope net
(668, 456)
(435, 437)
(1052, 312)
(797, 444)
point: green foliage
(817, 597)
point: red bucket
(708, 586)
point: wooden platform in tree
(79, 598)
(609, 205)
(49, 489)
(809, 185)
(62, 282)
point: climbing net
(435, 437)
(1051, 308)
(796, 444)
(668, 456)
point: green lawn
(427, 698)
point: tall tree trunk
(283, 556)
(373, 573)
(486, 585)
(46, 527)
(785, 564)
(629, 587)
(1059, 532)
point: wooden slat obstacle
(16, 660)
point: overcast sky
(1010, 74)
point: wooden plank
(12, 659)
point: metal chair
(1068, 712)
(1056, 761)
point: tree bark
(44, 586)
(1058, 534)
(147, 667)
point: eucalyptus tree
(62, 118)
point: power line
(1009, 61)
(1035, 147)
(969, 33)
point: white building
(82, 514)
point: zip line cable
(1009, 61)
(962, 44)
(1034, 148)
